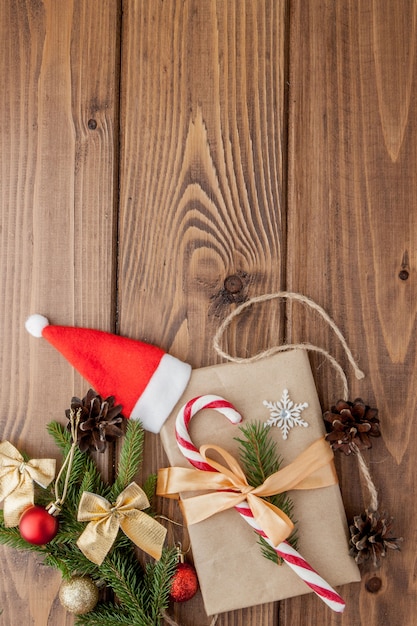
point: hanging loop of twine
(289, 295)
(54, 508)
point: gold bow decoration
(312, 469)
(16, 481)
(105, 520)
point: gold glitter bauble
(78, 595)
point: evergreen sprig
(143, 593)
(108, 614)
(11, 537)
(157, 579)
(67, 559)
(130, 459)
(149, 487)
(259, 458)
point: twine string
(282, 348)
(290, 295)
(364, 470)
(67, 464)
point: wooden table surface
(151, 150)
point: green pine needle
(158, 576)
(259, 458)
(123, 575)
(258, 453)
(69, 559)
(130, 459)
(11, 537)
(60, 435)
(149, 487)
(108, 614)
(89, 483)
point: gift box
(232, 571)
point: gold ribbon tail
(145, 532)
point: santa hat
(144, 379)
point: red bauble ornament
(38, 526)
(184, 583)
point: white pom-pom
(35, 324)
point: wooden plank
(58, 103)
(352, 178)
(201, 186)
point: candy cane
(291, 556)
(188, 411)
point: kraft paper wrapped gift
(232, 571)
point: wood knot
(403, 275)
(233, 284)
(233, 291)
(373, 585)
(405, 267)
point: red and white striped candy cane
(291, 556)
(298, 564)
(188, 411)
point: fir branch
(67, 533)
(268, 552)
(259, 458)
(69, 559)
(108, 614)
(89, 483)
(60, 435)
(157, 582)
(257, 453)
(121, 573)
(58, 563)
(11, 537)
(130, 458)
(149, 487)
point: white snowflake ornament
(285, 414)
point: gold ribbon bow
(106, 519)
(312, 469)
(16, 481)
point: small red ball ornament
(38, 526)
(184, 583)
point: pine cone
(99, 422)
(369, 537)
(350, 425)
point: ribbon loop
(126, 513)
(312, 469)
(16, 481)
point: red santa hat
(144, 379)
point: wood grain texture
(201, 181)
(58, 70)
(201, 168)
(352, 231)
(233, 183)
